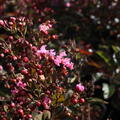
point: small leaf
(25, 30)
(33, 71)
(71, 80)
(5, 108)
(46, 115)
(78, 56)
(103, 56)
(115, 48)
(93, 100)
(38, 117)
(58, 98)
(61, 98)
(111, 90)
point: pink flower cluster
(21, 84)
(46, 103)
(58, 60)
(45, 28)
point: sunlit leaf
(61, 98)
(46, 115)
(58, 98)
(5, 108)
(104, 57)
(33, 71)
(71, 80)
(115, 48)
(78, 56)
(38, 117)
(92, 100)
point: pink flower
(58, 60)
(66, 62)
(44, 28)
(46, 103)
(21, 84)
(79, 87)
(62, 54)
(70, 65)
(52, 52)
(15, 91)
(43, 50)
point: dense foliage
(59, 59)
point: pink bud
(39, 66)
(21, 112)
(81, 100)
(79, 88)
(25, 59)
(74, 101)
(34, 48)
(29, 116)
(55, 36)
(1, 68)
(14, 57)
(38, 103)
(68, 4)
(12, 105)
(6, 51)
(1, 55)
(46, 106)
(2, 23)
(11, 38)
(24, 71)
(11, 23)
(12, 19)
(11, 68)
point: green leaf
(78, 56)
(111, 90)
(115, 48)
(103, 56)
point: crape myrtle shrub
(52, 53)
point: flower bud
(79, 88)
(2, 23)
(81, 100)
(1, 68)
